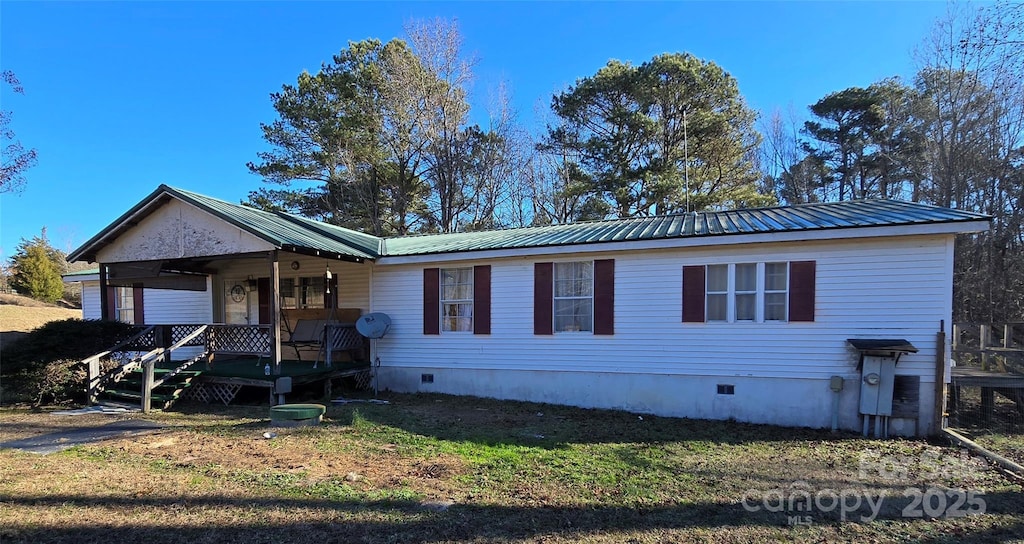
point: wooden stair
(126, 390)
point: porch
(161, 364)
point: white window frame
(760, 293)
(784, 292)
(447, 320)
(736, 292)
(708, 293)
(124, 304)
(586, 328)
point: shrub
(57, 382)
(43, 366)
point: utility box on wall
(877, 365)
(878, 377)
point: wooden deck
(965, 376)
(223, 379)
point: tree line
(381, 140)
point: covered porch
(213, 284)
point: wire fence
(986, 394)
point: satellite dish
(373, 325)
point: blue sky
(121, 97)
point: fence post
(147, 385)
(1007, 336)
(940, 380)
(93, 376)
(984, 337)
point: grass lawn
(1008, 445)
(430, 468)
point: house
(739, 314)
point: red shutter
(481, 300)
(693, 294)
(801, 290)
(431, 301)
(542, 298)
(111, 308)
(604, 296)
(137, 304)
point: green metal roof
(88, 272)
(802, 217)
(283, 230)
(293, 233)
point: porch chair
(308, 333)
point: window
(776, 291)
(574, 297)
(457, 299)
(311, 292)
(752, 292)
(124, 304)
(577, 296)
(288, 298)
(718, 292)
(746, 292)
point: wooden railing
(154, 343)
(991, 347)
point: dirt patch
(295, 453)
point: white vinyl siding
(889, 288)
(353, 278)
(91, 300)
(162, 306)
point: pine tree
(38, 269)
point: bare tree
(16, 159)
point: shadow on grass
(403, 521)
(501, 422)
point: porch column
(105, 308)
(275, 311)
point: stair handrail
(186, 339)
(118, 346)
(92, 363)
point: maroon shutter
(111, 308)
(481, 300)
(542, 298)
(137, 304)
(604, 296)
(801, 290)
(431, 301)
(693, 294)
(263, 291)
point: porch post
(275, 311)
(104, 299)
